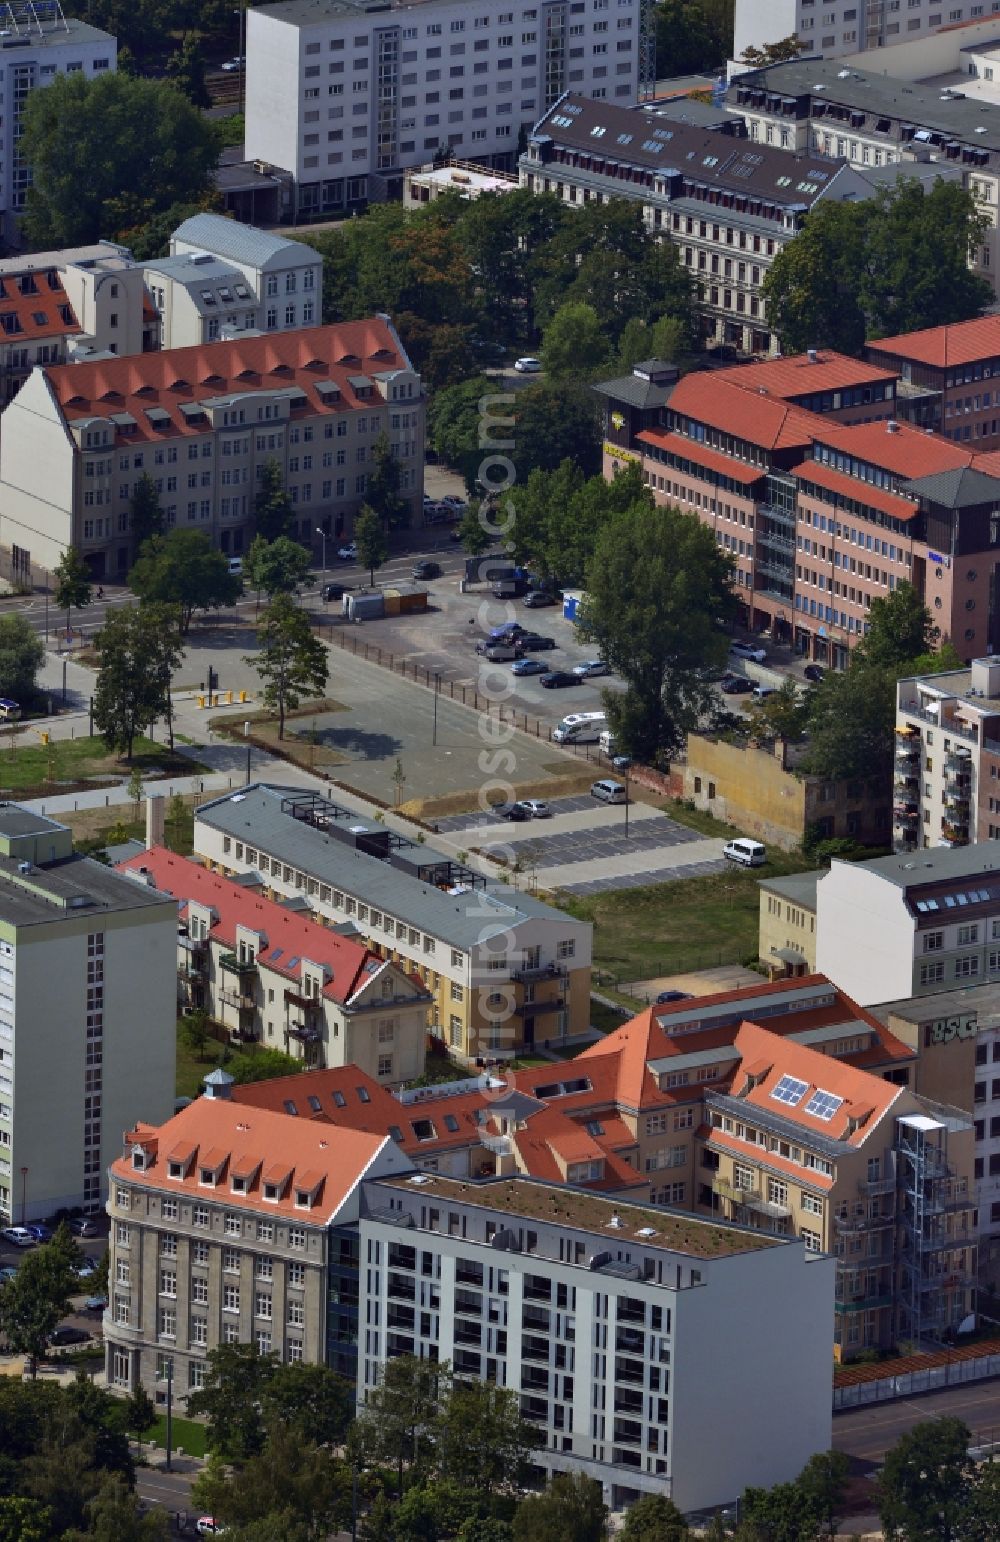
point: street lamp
(322, 536)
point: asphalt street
(867, 1433)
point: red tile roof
(702, 455)
(907, 451)
(45, 313)
(290, 936)
(713, 398)
(227, 1135)
(184, 376)
(853, 487)
(858, 1094)
(961, 342)
(800, 375)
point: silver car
(591, 668)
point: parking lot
(82, 1320)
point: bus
(580, 728)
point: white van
(580, 728)
(607, 743)
(235, 565)
(747, 853)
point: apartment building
(859, 1167)
(37, 43)
(838, 27)
(233, 1227)
(946, 790)
(818, 108)
(451, 78)
(203, 423)
(821, 516)
(221, 278)
(504, 970)
(787, 924)
(728, 205)
(945, 379)
(622, 1329)
(273, 976)
(87, 1016)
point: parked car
(813, 673)
(591, 668)
(666, 996)
(87, 1269)
(348, 553)
(535, 599)
(18, 1236)
(232, 65)
(509, 629)
(528, 366)
(95, 1304)
(235, 566)
(609, 792)
(497, 651)
(534, 642)
(735, 685)
(762, 692)
(558, 680)
(536, 807)
(529, 667)
(421, 571)
(8, 1272)
(207, 1526)
(621, 762)
(746, 650)
(455, 504)
(745, 852)
(514, 811)
(67, 1334)
(39, 1231)
(82, 1226)
(335, 591)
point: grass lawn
(698, 819)
(191, 1071)
(93, 829)
(689, 923)
(186, 1433)
(32, 769)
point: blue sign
(934, 556)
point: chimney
(812, 355)
(891, 426)
(155, 820)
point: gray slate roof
(959, 489)
(635, 391)
(463, 920)
(800, 888)
(936, 864)
(240, 243)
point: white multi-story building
(37, 43)
(87, 1015)
(946, 786)
(837, 27)
(347, 94)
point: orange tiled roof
(720, 1139)
(223, 1132)
(702, 455)
(907, 451)
(183, 376)
(44, 313)
(857, 1094)
(714, 398)
(799, 375)
(291, 937)
(961, 342)
(852, 487)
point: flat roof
(799, 887)
(936, 864)
(77, 885)
(983, 1000)
(16, 820)
(672, 1231)
(463, 918)
(305, 13)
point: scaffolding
(31, 18)
(937, 1242)
(647, 49)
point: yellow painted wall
(751, 790)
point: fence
(951, 1368)
(711, 958)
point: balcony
(468, 1333)
(302, 1032)
(905, 783)
(628, 1402)
(885, 1185)
(539, 971)
(534, 1317)
(955, 763)
(729, 1190)
(468, 1304)
(777, 539)
(862, 1222)
(861, 1302)
(777, 1209)
(785, 517)
(534, 1349)
(499, 1145)
(238, 966)
(401, 1289)
(630, 1341)
(630, 1372)
(238, 999)
(307, 1004)
(905, 814)
(533, 1008)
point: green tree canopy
(773, 53)
(108, 153)
(382, 493)
(145, 514)
(692, 36)
(133, 680)
(574, 346)
(369, 536)
(926, 1482)
(21, 655)
(272, 508)
(783, 715)
(656, 586)
(186, 70)
(482, 1441)
(275, 567)
(184, 569)
(34, 1301)
(571, 1509)
(290, 661)
(73, 587)
(653, 1518)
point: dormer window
(271, 1191)
(175, 1169)
(302, 1199)
(238, 1185)
(139, 1160)
(207, 1176)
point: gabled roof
(964, 487)
(716, 399)
(903, 449)
(291, 937)
(802, 374)
(44, 311)
(960, 342)
(221, 1135)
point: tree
(229, 1400)
(145, 513)
(691, 39)
(274, 567)
(782, 715)
(656, 586)
(571, 1509)
(22, 653)
(192, 1030)
(261, 1065)
(140, 1414)
(73, 587)
(34, 1301)
(272, 507)
(382, 494)
(482, 1441)
(925, 1483)
(900, 630)
(812, 289)
(773, 53)
(24, 1520)
(982, 1515)
(473, 531)
(290, 661)
(130, 692)
(108, 153)
(310, 1400)
(397, 1422)
(574, 346)
(114, 1514)
(186, 70)
(824, 1481)
(653, 1518)
(288, 1477)
(183, 569)
(784, 1513)
(373, 548)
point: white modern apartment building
(946, 777)
(37, 43)
(87, 1016)
(347, 94)
(837, 27)
(624, 1330)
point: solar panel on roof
(789, 1090)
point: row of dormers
(245, 1174)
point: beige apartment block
(787, 931)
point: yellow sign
(617, 453)
(618, 420)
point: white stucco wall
(36, 512)
(864, 934)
